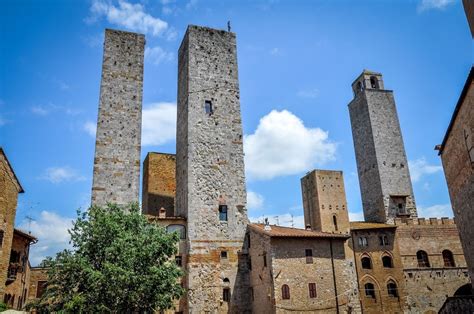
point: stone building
(210, 182)
(38, 282)
(382, 164)
(159, 183)
(457, 155)
(118, 139)
(379, 267)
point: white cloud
(51, 231)
(90, 127)
(192, 4)
(129, 15)
(44, 110)
(156, 55)
(282, 145)
(357, 216)
(441, 210)
(434, 4)
(254, 200)
(420, 167)
(61, 174)
(285, 220)
(308, 93)
(159, 123)
(40, 110)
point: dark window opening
(374, 83)
(180, 229)
(223, 212)
(1, 237)
(251, 294)
(383, 240)
(369, 290)
(309, 256)
(264, 259)
(14, 257)
(392, 289)
(249, 263)
(312, 290)
(363, 241)
(223, 254)
(208, 107)
(422, 258)
(285, 292)
(40, 288)
(448, 259)
(226, 295)
(366, 262)
(334, 220)
(179, 260)
(387, 262)
(359, 86)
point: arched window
(226, 281)
(422, 258)
(392, 289)
(366, 262)
(177, 228)
(334, 221)
(387, 261)
(448, 259)
(285, 292)
(369, 290)
(374, 83)
(360, 87)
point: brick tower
(324, 201)
(117, 149)
(210, 182)
(382, 165)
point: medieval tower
(210, 183)
(382, 165)
(117, 150)
(324, 201)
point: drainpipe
(334, 276)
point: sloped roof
(282, 232)
(25, 235)
(20, 189)
(362, 225)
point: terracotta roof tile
(279, 231)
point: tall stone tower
(382, 165)
(324, 201)
(118, 141)
(210, 182)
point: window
(285, 292)
(366, 263)
(249, 263)
(264, 259)
(383, 240)
(223, 212)
(369, 290)
(208, 107)
(387, 261)
(359, 86)
(40, 288)
(179, 260)
(422, 258)
(374, 83)
(334, 221)
(392, 289)
(226, 295)
(448, 259)
(223, 254)
(177, 228)
(309, 256)
(312, 290)
(14, 257)
(363, 241)
(1, 238)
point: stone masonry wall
(37, 275)
(289, 266)
(210, 170)
(117, 152)
(458, 164)
(324, 197)
(9, 190)
(380, 153)
(428, 287)
(378, 275)
(159, 184)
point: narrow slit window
(334, 220)
(223, 212)
(312, 290)
(309, 256)
(226, 295)
(208, 107)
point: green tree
(119, 263)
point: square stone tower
(382, 165)
(210, 182)
(118, 141)
(324, 201)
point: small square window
(208, 107)
(223, 254)
(179, 260)
(309, 256)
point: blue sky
(297, 60)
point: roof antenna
(30, 219)
(228, 26)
